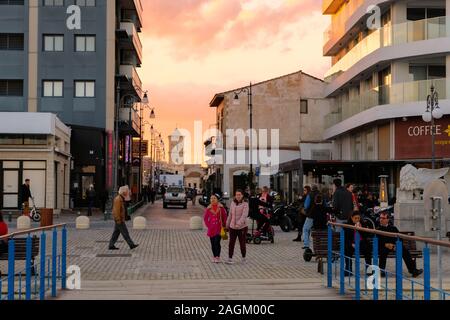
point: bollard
(139, 223)
(82, 223)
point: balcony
(331, 6)
(408, 32)
(129, 39)
(129, 121)
(132, 77)
(135, 6)
(396, 94)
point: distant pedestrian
(119, 213)
(104, 198)
(194, 196)
(306, 200)
(215, 219)
(3, 232)
(351, 188)
(25, 195)
(152, 195)
(90, 195)
(342, 203)
(237, 225)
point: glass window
(304, 106)
(11, 88)
(11, 139)
(35, 139)
(85, 43)
(11, 41)
(53, 43)
(85, 3)
(436, 72)
(53, 88)
(12, 2)
(85, 89)
(53, 3)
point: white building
(34, 146)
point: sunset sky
(196, 48)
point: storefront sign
(144, 148)
(413, 139)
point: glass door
(10, 189)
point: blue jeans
(307, 231)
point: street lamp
(236, 102)
(432, 112)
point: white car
(175, 196)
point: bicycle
(34, 213)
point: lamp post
(434, 112)
(236, 101)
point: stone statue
(412, 178)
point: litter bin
(46, 217)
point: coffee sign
(413, 138)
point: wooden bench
(20, 251)
(320, 247)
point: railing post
(28, 269)
(426, 273)
(357, 267)
(398, 270)
(377, 271)
(54, 255)
(11, 269)
(42, 269)
(330, 257)
(64, 258)
(342, 261)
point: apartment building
(76, 59)
(386, 56)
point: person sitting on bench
(3, 231)
(350, 238)
(387, 245)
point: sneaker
(113, 248)
(299, 239)
(229, 261)
(213, 260)
(218, 260)
(416, 273)
(244, 261)
(134, 246)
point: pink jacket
(237, 219)
(212, 221)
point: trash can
(46, 217)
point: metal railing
(132, 209)
(37, 278)
(336, 267)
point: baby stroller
(264, 230)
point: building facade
(385, 59)
(76, 59)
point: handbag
(223, 232)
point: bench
(320, 247)
(20, 251)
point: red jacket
(212, 220)
(3, 229)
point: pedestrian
(194, 196)
(3, 232)
(119, 213)
(25, 195)
(90, 195)
(387, 245)
(237, 225)
(306, 200)
(215, 219)
(152, 195)
(342, 203)
(104, 198)
(310, 213)
(351, 188)
(350, 237)
(319, 214)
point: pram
(264, 230)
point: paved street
(173, 262)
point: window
(53, 42)
(84, 89)
(304, 106)
(53, 3)
(85, 43)
(11, 41)
(85, 3)
(20, 139)
(52, 88)
(11, 88)
(12, 2)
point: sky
(194, 49)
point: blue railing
(404, 288)
(42, 269)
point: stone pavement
(173, 262)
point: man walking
(342, 203)
(25, 195)
(194, 196)
(90, 194)
(120, 227)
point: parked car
(175, 196)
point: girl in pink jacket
(237, 224)
(215, 218)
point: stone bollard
(139, 223)
(196, 223)
(82, 222)
(23, 223)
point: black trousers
(364, 248)
(120, 229)
(3, 247)
(409, 262)
(215, 245)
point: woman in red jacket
(215, 218)
(3, 231)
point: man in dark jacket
(342, 203)
(387, 245)
(25, 195)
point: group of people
(345, 205)
(148, 194)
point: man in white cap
(119, 215)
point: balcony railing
(130, 117)
(398, 93)
(130, 28)
(387, 36)
(130, 72)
